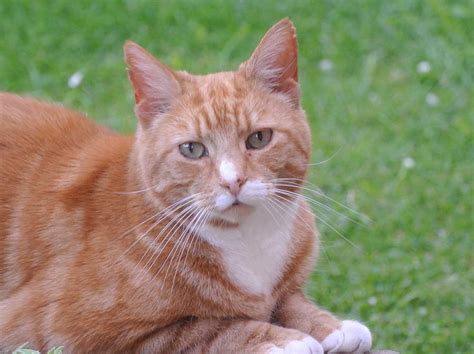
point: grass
(402, 140)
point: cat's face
(223, 142)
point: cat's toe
(307, 345)
(352, 337)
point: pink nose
(234, 186)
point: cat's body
(115, 243)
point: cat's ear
(154, 83)
(275, 61)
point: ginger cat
(188, 237)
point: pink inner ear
(155, 85)
(275, 61)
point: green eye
(193, 150)
(259, 140)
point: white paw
(352, 337)
(307, 345)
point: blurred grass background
(388, 88)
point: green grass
(410, 275)
(23, 349)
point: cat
(190, 236)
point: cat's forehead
(221, 101)
(217, 87)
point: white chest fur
(256, 252)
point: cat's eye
(193, 150)
(259, 140)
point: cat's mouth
(233, 214)
(237, 205)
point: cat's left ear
(154, 83)
(275, 61)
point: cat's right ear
(275, 61)
(154, 83)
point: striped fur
(103, 247)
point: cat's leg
(227, 336)
(296, 311)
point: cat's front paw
(352, 337)
(307, 345)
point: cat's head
(225, 141)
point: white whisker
(170, 234)
(190, 231)
(167, 211)
(325, 222)
(316, 192)
(309, 227)
(178, 246)
(277, 200)
(180, 218)
(155, 215)
(314, 202)
(269, 211)
(326, 160)
(138, 191)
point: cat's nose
(230, 176)
(234, 186)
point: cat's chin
(234, 214)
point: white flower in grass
(423, 311)
(325, 65)
(432, 99)
(408, 163)
(75, 79)
(423, 67)
(374, 98)
(372, 301)
(396, 74)
(442, 233)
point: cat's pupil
(260, 136)
(191, 147)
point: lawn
(388, 88)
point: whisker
(208, 216)
(194, 238)
(180, 242)
(172, 251)
(277, 200)
(189, 239)
(170, 234)
(202, 222)
(315, 203)
(166, 238)
(326, 160)
(166, 227)
(157, 214)
(269, 211)
(138, 191)
(308, 227)
(325, 222)
(155, 223)
(318, 192)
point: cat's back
(38, 137)
(27, 124)
(32, 130)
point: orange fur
(78, 232)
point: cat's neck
(254, 253)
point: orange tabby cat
(188, 237)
